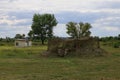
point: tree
(78, 30)
(23, 35)
(1, 39)
(42, 25)
(119, 36)
(18, 36)
(84, 29)
(72, 29)
(30, 34)
(7, 39)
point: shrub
(117, 45)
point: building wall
(30, 43)
(22, 43)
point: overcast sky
(104, 15)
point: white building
(22, 43)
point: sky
(104, 15)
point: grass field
(28, 64)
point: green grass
(28, 64)
(25, 52)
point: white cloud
(57, 5)
(109, 19)
(111, 29)
(103, 14)
(107, 26)
(11, 31)
(11, 21)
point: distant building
(22, 43)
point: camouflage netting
(81, 47)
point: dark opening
(17, 44)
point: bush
(1, 44)
(117, 45)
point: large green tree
(42, 25)
(78, 30)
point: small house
(22, 43)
